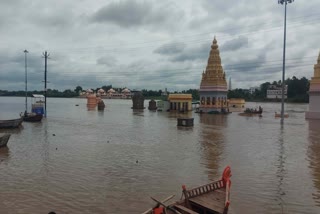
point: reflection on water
(212, 142)
(314, 155)
(281, 170)
(4, 154)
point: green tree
(78, 89)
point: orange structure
(91, 101)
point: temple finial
(214, 43)
(214, 40)
(319, 58)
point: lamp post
(285, 2)
(26, 77)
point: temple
(314, 94)
(213, 88)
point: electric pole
(26, 77)
(285, 2)
(46, 56)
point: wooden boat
(37, 109)
(4, 138)
(252, 112)
(279, 115)
(15, 123)
(32, 117)
(211, 198)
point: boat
(15, 123)
(276, 115)
(211, 198)
(252, 112)
(4, 138)
(32, 117)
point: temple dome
(126, 90)
(111, 90)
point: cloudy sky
(153, 44)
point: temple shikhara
(213, 88)
(314, 93)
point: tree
(106, 87)
(78, 89)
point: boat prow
(211, 198)
(4, 138)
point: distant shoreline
(158, 98)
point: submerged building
(314, 94)
(213, 87)
(180, 102)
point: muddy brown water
(80, 161)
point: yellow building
(236, 104)
(180, 102)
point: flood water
(80, 161)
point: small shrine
(213, 87)
(137, 100)
(152, 105)
(314, 93)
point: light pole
(285, 2)
(26, 77)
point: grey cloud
(54, 20)
(235, 44)
(246, 65)
(199, 52)
(132, 13)
(107, 60)
(171, 48)
(125, 13)
(86, 34)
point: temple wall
(314, 94)
(314, 102)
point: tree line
(297, 91)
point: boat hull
(4, 139)
(33, 118)
(11, 123)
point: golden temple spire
(214, 74)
